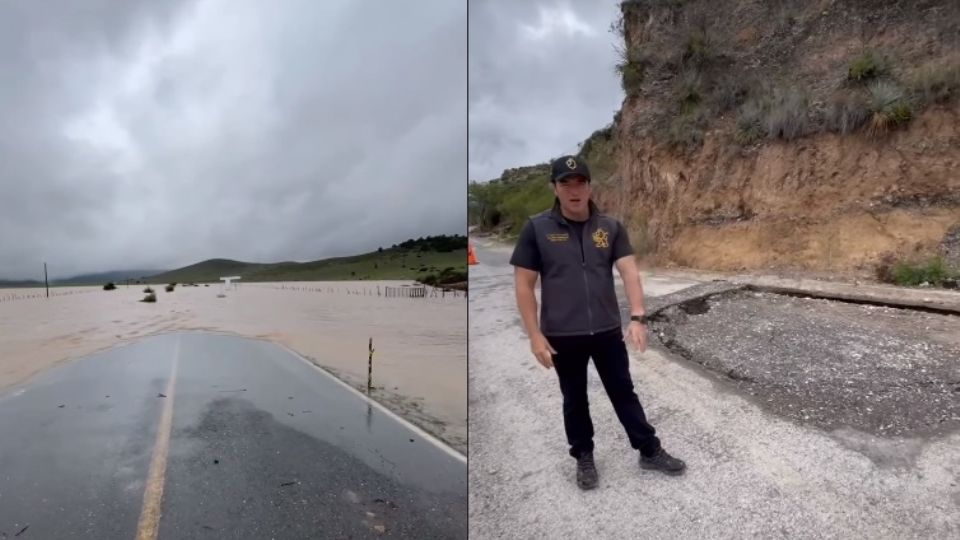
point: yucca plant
(750, 122)
(889, 108)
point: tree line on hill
(443, 243)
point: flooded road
(198, 435)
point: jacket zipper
(586, 282)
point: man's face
(574, 193)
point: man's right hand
(542, 350)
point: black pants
(609, 353)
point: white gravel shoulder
(750, 474)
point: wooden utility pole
(45, 279)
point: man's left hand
(637, 335)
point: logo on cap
(571, 164)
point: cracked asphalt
(753, 471)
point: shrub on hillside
(599, 136)
(750, 122)
(445, 277)
(786, 115)
(169, 288)
(699, 45)
(730, 91)
(109, 287)
(933, 272)
(687, 130)
(846, 112)
(149, 298)
(689, 91)
(938, 81)
(148, 290)
(889, 107)
(632, 66)
(869, 65)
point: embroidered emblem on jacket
(601, 238)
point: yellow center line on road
(153, 494)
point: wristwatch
(642, 319)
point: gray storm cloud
(542, 79)
(157, 134)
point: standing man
(573, 248)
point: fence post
(370, 367)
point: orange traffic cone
(471, 255)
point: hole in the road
(880, 369)
(697, 306)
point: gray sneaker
(586, 471)
(662, 461)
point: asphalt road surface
(751, 474)
(196, 435)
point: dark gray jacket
(578, 295)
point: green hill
(120, 276)
(436, 259)
(13, 284)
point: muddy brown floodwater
(420, 358)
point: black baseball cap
(567, 166)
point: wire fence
(11, 295)
(385, 291)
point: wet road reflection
(261, 445)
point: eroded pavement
(753, 471)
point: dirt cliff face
(757, 135)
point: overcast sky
(542, 79)
(155, 134)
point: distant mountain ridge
(117, 276)
(433, 259)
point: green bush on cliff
(933, 272)
(632, 66)
(689, 91)
(869, 65)
(750, 122)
